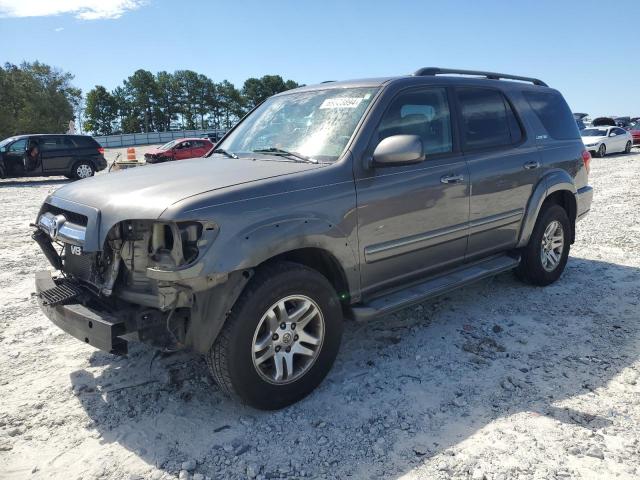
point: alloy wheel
(84, 171)
(288, 339)
(602, 151)
(552, 246)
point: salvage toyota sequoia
(341, 200)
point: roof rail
(490, 75)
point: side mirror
(399, 150)
(613, 134)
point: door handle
(448, 179)
(531, 165)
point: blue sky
(311, 41)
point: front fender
(553, 181)
(256, 244)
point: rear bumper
(584, 196)
(98, 329)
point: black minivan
(74, 156)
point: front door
(412, 219)
(14, 157)
(183, 150)
(504, 166)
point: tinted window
(487, 119)
(18, 147)
(424, 113)
(56, 143)
(620, 131)
(554, 113)
(85, 142)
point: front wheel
(627, 148)
(546, 254)
(82, 170)
(602, 151)
(280, 339)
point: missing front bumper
(98, 329)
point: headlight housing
(176, 245)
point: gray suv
(340, 200)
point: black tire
(86, 166)
(531, 268)
(602, 151)
(628, 146)
(230, 359)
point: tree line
(166, 101)
(35, 97)
(38, 98)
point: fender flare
(553, 181)
(256, 244)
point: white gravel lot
(496, 381)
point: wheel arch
(556, 187)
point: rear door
(57, 154)
(200, 147)
(504, 166)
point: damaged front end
(146, 283)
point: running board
(419, 292)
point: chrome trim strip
(495, 221)
(380, 251)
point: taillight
(586, 159)
(101, 150)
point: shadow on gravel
(34, 182)
(404, 388)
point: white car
(603, 140)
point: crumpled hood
(145, 192)
(155, 151)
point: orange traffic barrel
(131, 154)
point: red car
(635, 132)
(179, 149)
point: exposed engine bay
(148, 271)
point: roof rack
(490, 75)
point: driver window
(19, 146)
(424, 113)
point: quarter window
(487, 119)
(424, 113)
(554, 113)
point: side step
(419, 292)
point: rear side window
(488, 121)
(554, 113)
(56, 143)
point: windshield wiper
(225, 153)
(286, 153)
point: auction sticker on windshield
(343, 102)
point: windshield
(168, 146)
(6, 141)
(594, 132)
(316, 124)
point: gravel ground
(496, 381)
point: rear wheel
(281, 338)
(602, 151)
(546, 254)
(627, 148)
(83, 169)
